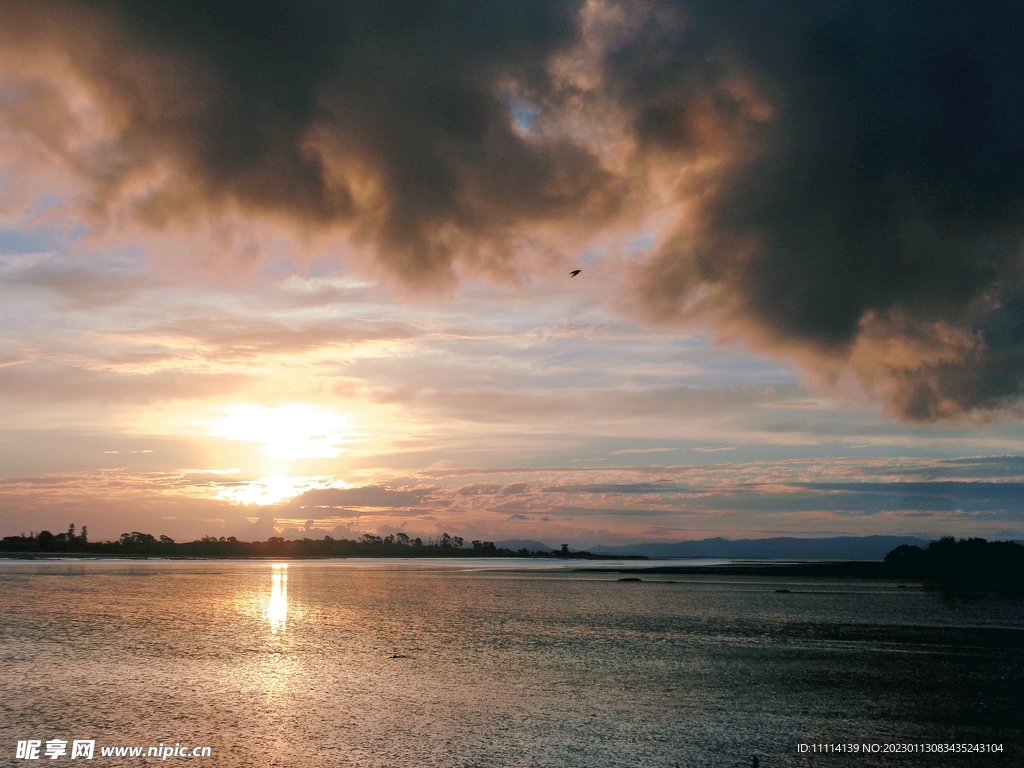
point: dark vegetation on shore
(968, 564)
(137, 544)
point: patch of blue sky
(16, 242)
(282, 268)
(701, 363)
(42, 204)
(15, 90)
(323, 266)
(45, 294)
(975, 467)
(728, 370)
(723, 365)
(474, 288)
(522, 113)
(122, 262)
(573, 358)
(866, 433)
(558, 361)
(639, 244)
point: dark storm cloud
(850, 175)
(875, 221)
(392, 118)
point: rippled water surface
(393, 663)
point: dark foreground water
(356, 663)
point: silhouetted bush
(967, 563)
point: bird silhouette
(574, 273)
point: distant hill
(781, 548)
(516, 544)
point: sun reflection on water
(277, 608)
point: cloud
(227, 338)
(833, 184)
(366, 496)
(393, 122)
(623, 404)
(114, 500)
(980, 496)
(621, 488)
(45, 382)
(83, 288)
(643, 450)
(872, 227)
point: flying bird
(574, 273)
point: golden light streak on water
(277, 608)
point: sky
(303, 268)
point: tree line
(972, 563)
(964, 563)
(368, 545)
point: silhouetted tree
(969, 563)
(137, 539)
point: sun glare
(273, 490)
(287, 432)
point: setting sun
(287, 432)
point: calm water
(386, 663)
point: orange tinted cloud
(930, 497)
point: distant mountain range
(781, 548)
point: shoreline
(864, 569)
(432, 556)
